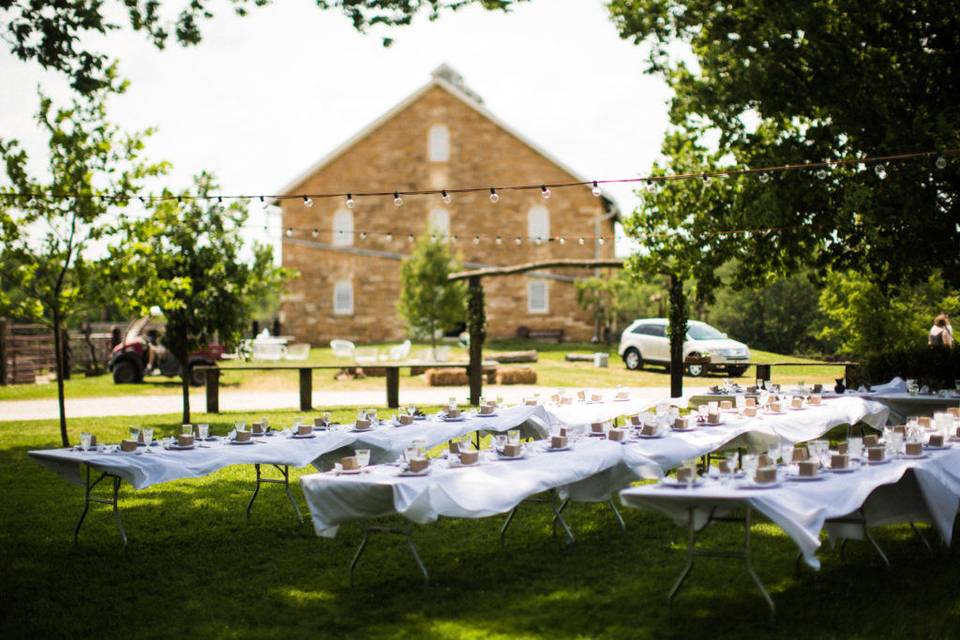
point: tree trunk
(433, 339)
(58, 359)
(678, 333)
(185, 387)
(476, 324)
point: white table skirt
(583, 413)
(146, 469)
(588, 472)
(652, 458)
(801, 508)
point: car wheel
(633, 359)
(736, 372)
(125, 372)
(696, 370)
(197, 378)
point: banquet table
(902, 405)
(578, 414)
(900, 490)
(652, 458)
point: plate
(688, 429)
(487, 415)
(299, 436)
(774, 413)
(177, 447)
(500, 456)
(242, 442)
(456, 464)
(355, 430)
(845, 470)
(414, 474)
(457, 419)
(799, 478)
(675, 484)
(930, 448)
(349, 472)
(654, 437)
(884, 461)
(905, 456)
(754, 485)
(551, 449)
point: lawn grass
(552, 371)
(196, 568)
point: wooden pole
(3, 351)
(678, 334)
(476, 324)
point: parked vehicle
(128, 362)
(645, 341)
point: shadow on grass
(196, 567)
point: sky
(262, 98)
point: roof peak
(450, 75)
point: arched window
(343, 228)
(438, 143)
(538, 297)
(538, 223)
(343, 298)
(439, 223)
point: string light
(445, 197)
(764, 178)
(596, 189)
(389, 237)
(453, 239)
(289, 232)
(562, 241)
(350, 201)
(518, 241)
(476, 239)
(363, 235)
(315, 233)
(941, 162)
(397, 200)
(881, 171)
(494, 197)
(410, 238)
(600, 241)
(580, 241)
(544, 192)
(822, 174)
(499, 240)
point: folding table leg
(408, 536)
(88, 498)
(285, 472)
(749, 561)
(920, 535)
(616, 513)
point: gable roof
(440, 80)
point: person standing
(939, 335)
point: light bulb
(562, 240)
(350, 202)
(410, 238)
(518, 241)
(433, 237)
(363, 235)
(494, 198)
(545, 192)
(499, 240)
(822, 174)
(941, 163)
(764, 178)
(454, 239)
(705, 177)
(476, 239)
(308, 201)
(580, 241)
(289, 232)
(219, 199)
(881, 171)
(445, 197)
(538, 241)
(315, 233)
(596, 189)
(397, 200)
(600, 240)
(389, 237)
(651, 186)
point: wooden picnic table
(392, 370)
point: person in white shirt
(939, 335)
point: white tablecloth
(583, 413)
(160, 465)
(652, 458)
(904, 405)
(801, 508)
(592, 470)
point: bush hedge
(936, 367)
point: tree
(777, 83)
(57, 37)
(187, 257)
(618, 298)
(44, 241)
(427, 300)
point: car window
(703, 332)
(649, 330)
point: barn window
(343, 298)
(439, 223)
(538, 223)
(343, 228)
(438, 143)
(538, 297)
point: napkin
(258, 427)
(816, 400)
(486, 410)
(596, 427)
(636, 421)
(453, 413)
(649, 430)
(936, 440)
(751, 402)
(454, 447)
(682, 422)
(925, 421)
(775, 407)
(713, 417)
(405, 419)
(871, 441)
(684, 474)
(796, 403)
(800, 453)
(750, 412)
(362, 424)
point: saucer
(653, 437)
(552, 449)
(799, 478)
(413, 474)
(242, 442)
(177, 447)
(764, 485)
(673, 483)
(299, 436)
(849, 469)
(350, 472)
(884, 461)
(500, 456)
(486, 415)
(905, 456)
(459, 418)
(687, 430)
(931, 448)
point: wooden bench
(526, 333)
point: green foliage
(188, 259)
(619, 297)
(46, 273)
(776, 84)
(428, 301)
(782, 316)
(862, 319)
(58, 38)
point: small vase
(840, 388)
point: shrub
(936, 367)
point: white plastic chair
(400, 351)
(343, 349)
(300, 351)
(443, 353)
(367, 355)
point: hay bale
(516, 375)
(514, 356)
(445, 377)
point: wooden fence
(27, 350)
